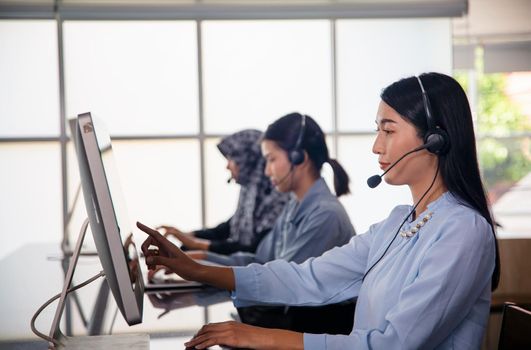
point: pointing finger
(157, 237)
(146, 244)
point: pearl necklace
(411, 232)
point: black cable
(51, 300)
(403, 221)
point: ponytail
(341, 178)
(286, 133)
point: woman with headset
(423, 276)
(313, 221)
(258, 205)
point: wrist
(200, 272)
(284, 339)
(200, 244)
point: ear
(307, 161)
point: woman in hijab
(259, 204)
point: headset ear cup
(439, 140)
(296, 157)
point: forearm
(192, 243)
(312, 283)
(217, 276)
(236, 259)
(220, 232)
(202, 244)
(227, 247)
(280, 339)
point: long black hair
(450, 109)
(285, 132)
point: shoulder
(327, 204)
(458, 221)
(463, 214)
(322, 211)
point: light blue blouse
(429, 291)
(304, 229)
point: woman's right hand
(166, 254)
(170, 256)
(187, 239)
(171, 231)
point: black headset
(437, 137)
(296, 155)
(439, 144)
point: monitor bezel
(103, 223)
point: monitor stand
(120, 341)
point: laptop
(163, 282)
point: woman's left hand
(228, 333)
(240, 335)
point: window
(139, 77)
(258, 71)
(29, 85)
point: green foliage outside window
(504, 146)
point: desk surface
(33, 274)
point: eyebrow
(384, 121)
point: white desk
(33, 274)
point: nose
(378, 147)
(267, 170)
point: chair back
(515, 331)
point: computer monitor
(108, 217)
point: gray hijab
(259, 204)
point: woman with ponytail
(313, 221)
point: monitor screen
(108, 217)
